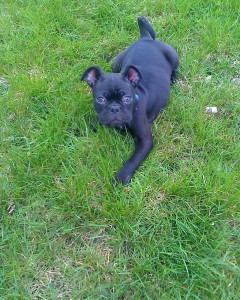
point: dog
(135, 92)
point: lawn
(66, 232)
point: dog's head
(114, 94)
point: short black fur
(136, 91)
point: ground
(66, 232)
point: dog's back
(151, 56)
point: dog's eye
(127, 99)
(100, 100)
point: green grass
(66, 233)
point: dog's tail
(146, 30)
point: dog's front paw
(121, 178)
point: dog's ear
(91, 75)
(133, 74)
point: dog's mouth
(115, 123)
(114, 120)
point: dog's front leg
(144, 144)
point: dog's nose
(114, 108)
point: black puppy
(135, 92)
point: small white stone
(208, 78)
(212, 109)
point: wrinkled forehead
(113, 82)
